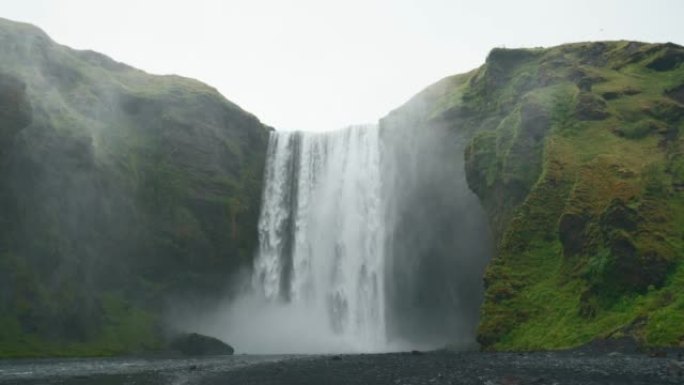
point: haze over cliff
(119, 190)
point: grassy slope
(118, 189)
(577, 156)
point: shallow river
(573, 368)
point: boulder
(193, 344)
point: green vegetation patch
(587, 213)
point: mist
(370, 241)
(254, 324)
(438, 238)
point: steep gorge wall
(118, 191)
(438, 241)
(576, 154)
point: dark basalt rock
(507, 57)
(619, 216)
(571, 233)
(636, 268)
(194, 344)
(671, 58)
(625, 344)
(590, 107)
(594, 54)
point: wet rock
(194, 344)
(594, 54)
(612, 346)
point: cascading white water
(321, 231)
(369, 241)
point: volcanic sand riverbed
(394, 368)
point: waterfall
(322, 232)
(369, 241)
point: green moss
(612, 137)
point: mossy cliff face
(118, 191)
(577, 156)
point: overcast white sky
(319, 65)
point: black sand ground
(395, 369)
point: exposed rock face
(590, 107)
(571, 233)
(118, 189)
(671, 58)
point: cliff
(577, 156)
(121, 190)
(118, 191)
